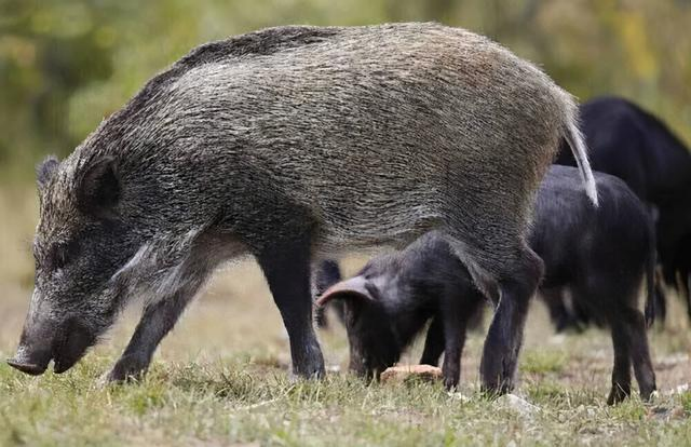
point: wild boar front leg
(157, 320)
(286, 266)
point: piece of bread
(400, 374)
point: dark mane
(263, 42)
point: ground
(222, 378)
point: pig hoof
(117, 377)
(312, 366)
(648, 392)
(497, 389)
(313, 372)
(307, 375)
(127, 369)
(451, 378)
(617, 395)
(451, 385)
(498, 376)
(496, 385)
(109, 378)
(295, 378)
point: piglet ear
(352, 288)
(98, 187)
(45, 171)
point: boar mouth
(72, 346)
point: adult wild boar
(287, 143)
(599, 254)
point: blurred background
(65, 65)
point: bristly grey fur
(344, 138)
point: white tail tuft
(575, 140)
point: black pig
(632, 144)
(598, 254)
(391, 299)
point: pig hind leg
(626, 314)
(560, 315)
(458, 310)
(455, 337)
(618, 303)
(286, 266)
(434, 343)
(622, 375)
(505, 336)
(641, 358)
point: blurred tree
(65, 65)
(48, 52)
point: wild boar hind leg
(506, 333)
(508, 272)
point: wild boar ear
(45, 171)
(98, 187)
(353, 288)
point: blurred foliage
(65, 65)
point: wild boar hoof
(618, 393)
(497, 379)
(128, 368)
(451, 384)
(310, 365)
(317, 374)
(497, 388)
(310, 371)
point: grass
(221, 378)
(544, 361)
(229, 403)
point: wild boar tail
(575, 140)
(650, 307)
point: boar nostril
(31, 369)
